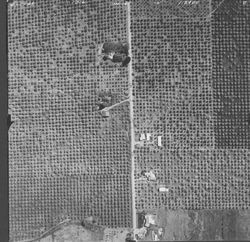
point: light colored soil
(204, 225)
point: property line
(211, 69)
(213, 11)
(165, 149)
(132, 136)
(48, 232)
(115, 105)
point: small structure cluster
(104, 101)
(150, 176)
(148, 138)
(147, 228)
(117, 52)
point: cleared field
(204, 225)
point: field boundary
(131, 115)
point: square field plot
(172, 80)
(208, 179)
(37, 204)
(61, 149)
(231, 83)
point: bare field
(203, 225)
